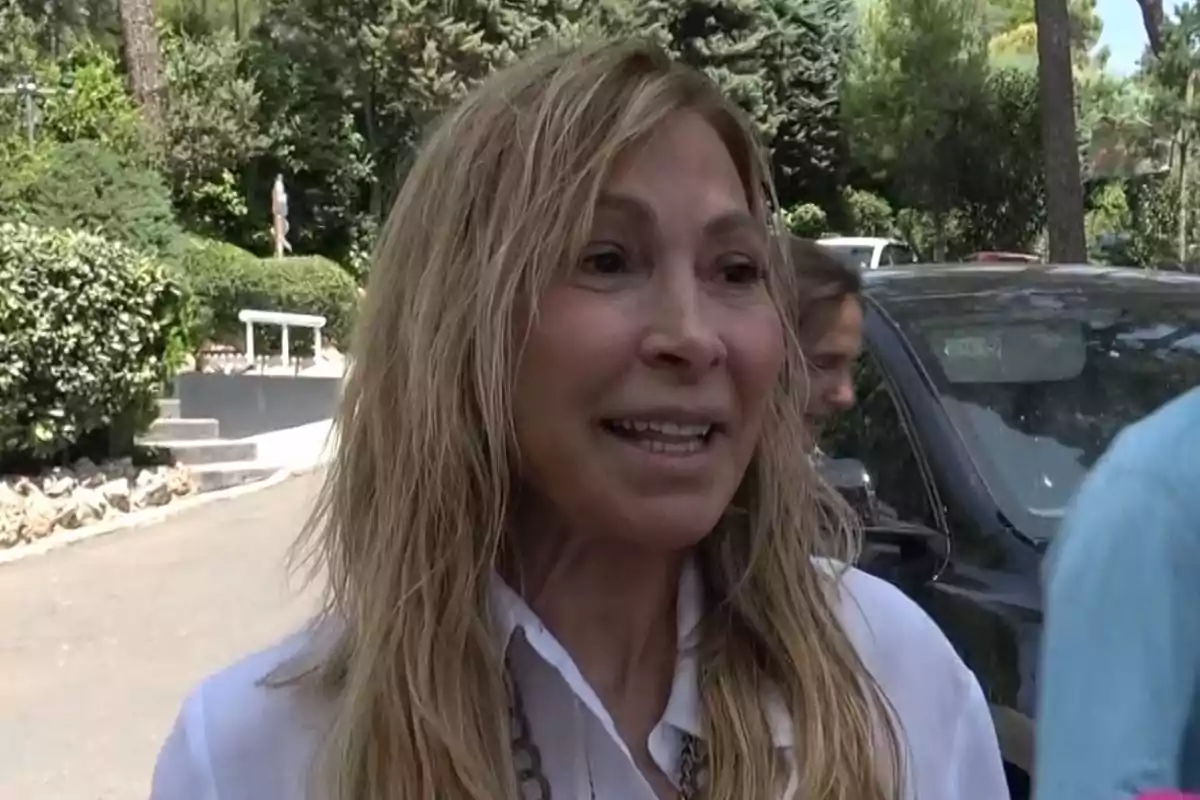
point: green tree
(212, 130)
(349, 86)
(918, 69)
(1011, 27)
(781, 60)
(1002, 199)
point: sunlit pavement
(99, 642)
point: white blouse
(236, 740)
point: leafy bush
(86, 186)
(807, 219)
(85, 328)
(869, 214)
(97, 106)
(223, 280)
(212, 129)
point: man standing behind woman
(1120, 693)
(829, 327)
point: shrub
(86, 186)
(96, 106)
(807, 220)
(223, 279)
(869, 214)
(85, 328)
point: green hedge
(223, 279)
(87, 328)
(84, 185)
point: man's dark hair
(822, 282)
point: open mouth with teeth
(667, 438)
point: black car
(985, 393)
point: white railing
(250, 317)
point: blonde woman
(573, 547)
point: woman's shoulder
(240, 736)
(943, 715)
(894, 637)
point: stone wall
(32, 507)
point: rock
(24, 486)
(58, 483)
(88, 474)
(151, 490)
(120, 468)
(11, 518)
(68, 515)
(117, 494)
(180, 482)
(40, 515)
(84, 467)
(10, 497)
(91, 505)
(32, 507)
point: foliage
(1002, 197)
(1011, 27)
(781, 61)
(85, 327)
(83, 185)
(1154, 212)
(868, 214)
(349, 88)
(223, 280)
(920, 66)
(19, 46)
(212, 130)
(92, 103)
(1106, 223)
(807, 220)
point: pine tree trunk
(1064, 185)
(139, 40)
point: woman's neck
(612, 605)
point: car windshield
(1039, 383)
(857, 255)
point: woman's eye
(742, 273)
(605, 262)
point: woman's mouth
(664, 437)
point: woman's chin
(668, 524)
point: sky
(1123, 32)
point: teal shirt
(1119, 709)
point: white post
(317, 352)
(250, 342)
(286, 361)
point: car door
(876, 432)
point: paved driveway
(99, 642)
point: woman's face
(647, 372)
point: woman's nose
(682, 333)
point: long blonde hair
(411, 519)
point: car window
(897, 255)
(873, 433)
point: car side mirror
(906, 554)
(851, 478)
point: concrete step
(206, 451)
(168, 408)
(173, 430)
(223, 475)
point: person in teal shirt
(1119, 697)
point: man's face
(831, 363)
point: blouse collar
(512, 614)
